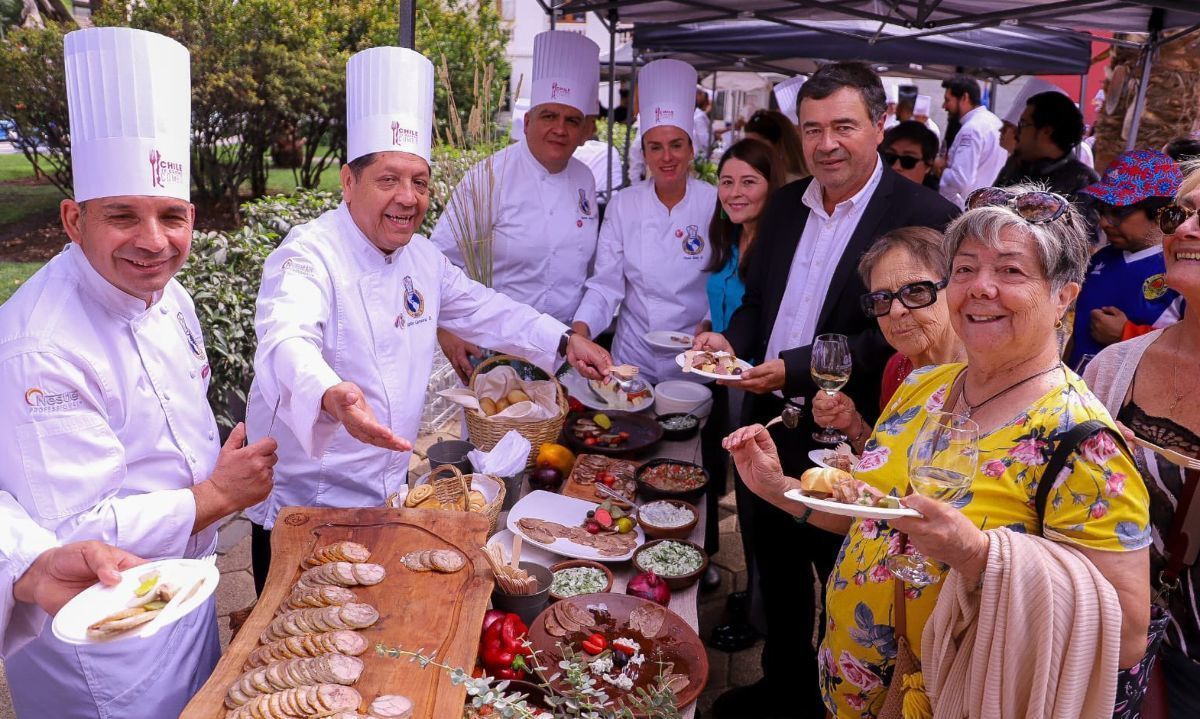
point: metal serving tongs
(1170, 455)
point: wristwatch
(564, 341)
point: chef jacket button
(162, 309)
(166, 397)
(192, 374)
(191, 459)
(210, 434)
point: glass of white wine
(830, 371)
(942, 463)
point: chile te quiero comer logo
(401, 135)
(40, 401)
(557, 91)
(163, 171)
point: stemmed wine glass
(942, 462)
(830, 371)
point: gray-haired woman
(905, 271)
(1017, 258)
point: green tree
(33, 96)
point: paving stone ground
(726, 670)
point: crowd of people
(981, 282)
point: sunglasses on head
(906, 161)
(1172, 216)
(914, 296)
(1036, 208)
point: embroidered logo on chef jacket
(414, 301)
(585, 207)
(693, 244)
(41, 402)
(1154, 287)
(298, 266)
(194, 344)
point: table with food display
(386, 612)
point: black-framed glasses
(1036, 208)
(914, 296)
(908, 162)
(1116, 214)
(1172, 216)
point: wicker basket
(484, 432)
(454, 489)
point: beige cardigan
(1039, 640)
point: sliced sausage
(391, 706)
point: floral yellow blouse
(1098, 503)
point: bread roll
(487, 406)
(820, 481)
(516, 396)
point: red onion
(649, 585)
(491, 617)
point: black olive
(591, 513)
(620, 658)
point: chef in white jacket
(108, 432)
(975, 157)
(350, 304)
(654, 242)
(543, 214)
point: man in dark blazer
(802, 282)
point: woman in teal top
(747, 176)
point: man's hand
(766, 377)
(1107, 325)
(712, 342)
(459, 352)
(588, 358)
(581, 328)
(242, 477)
(346, 403)
(58, 574)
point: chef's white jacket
(21, 541)
(333, 308)
(975, 158)
(651, 264)
(106, 428)
(545, 229)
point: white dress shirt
(975, 158)
(108, 427)
(545, 229)
(650, 264)
(818, 254)
(332, 308)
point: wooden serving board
(438, 613)
(572, 487)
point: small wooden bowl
(681, 532)
(580, 563)
(682, 581)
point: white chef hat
(922, 105)
(1035, 86)
(667, 95)
(786, 93)
(520, 107)
(389, 103)
(893, 93)
(129, 98)
(566, 70)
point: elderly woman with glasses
(905, 270)
(1016, 261)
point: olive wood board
(437, 613)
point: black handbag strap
(1067, 444)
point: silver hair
(1061, 246)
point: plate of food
(612, 433)
(563, 526)
(667, 340)
(148, 597)
(711, 365)
(837, 492)
(625, 643)
(607, 394)
(838, 458)
(592, 469)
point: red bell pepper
(502, 648)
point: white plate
(577, 385)
(679, 360)
(666, 340)
(97, 602)
(849, 510)
(568, 512)
(817, 456)
(530, 551)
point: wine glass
(830, 372)
(942, 462)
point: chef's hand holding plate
(58, 574)
(346, 403)
(588, 358)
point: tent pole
(408, 25)
(631, 113)
(1082, 93)
(1140, 103)
(612, 78)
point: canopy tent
(774, 47)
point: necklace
(1175, 374)
(972, 408)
